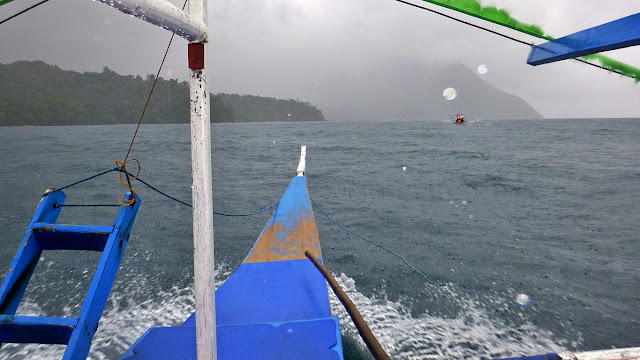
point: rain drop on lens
(449, 93)
(482, 69)
(523, 299)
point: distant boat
(458, 119)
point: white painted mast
(202, 195)
(193, 27)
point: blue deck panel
(305, 340)
(276, 291)
(616, 34)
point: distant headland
(35, 93)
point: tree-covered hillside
(34, 93)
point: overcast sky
(299, 48)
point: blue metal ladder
(44, 234)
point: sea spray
(472, 334)
(123, 320)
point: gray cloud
(313, 49)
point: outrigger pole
(193, 27)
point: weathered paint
(277, 243)
(202, 198)
(291, 230)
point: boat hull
(274, 306)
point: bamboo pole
(365, 333)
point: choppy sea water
(534, 226)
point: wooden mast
(193, 27)
(202, 195)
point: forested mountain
(35, 93)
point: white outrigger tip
(302, 163)
(165, 15)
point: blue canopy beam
(616, 34)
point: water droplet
(470, 216)
(451, 202)
(169, 72)
(464, 202)
(274, 141)
(288, 114)
(449, 93)
(523, 299)
(404, 168)
(482, 69)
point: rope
(507, 36)
(82, 205)
(151, 92)
(79, 181)
(189, 205)
(122, 167)
(163, 194)
(254, 213)
(365, 333)
(23, 11)
(465, 22)
(144, 110)
(443, 283)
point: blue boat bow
(274, 306)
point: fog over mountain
(35, 93)
(345, 56)
(414, 91)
